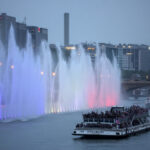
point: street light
(53, 74)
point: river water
(53, 132)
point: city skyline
(107, 21)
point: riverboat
(118, 122)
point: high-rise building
(38, 35)
(129, 57)
(66, 29)
(5, 23)
(20, 32)
(144, 58)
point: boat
(118, 122)
(148, 103)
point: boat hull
(110, 133)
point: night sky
(113, 21)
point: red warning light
(38, 29)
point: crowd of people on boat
(113, 114)
(93, 125)
(113, 117)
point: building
(55, 59)
(67, 50)
(144, 58)
(20, 30)
(5, 23)
(135, 57)
(129, 56)
(110, 50)
(38, 35)
(44, 34)
(90, 48)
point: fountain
(30, 88)
(22, 85)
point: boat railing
(109, 120)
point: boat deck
(85, 131)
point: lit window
(91, 48)
(70, 47)
(128, 53)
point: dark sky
(114, 21)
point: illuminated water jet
(29, 86)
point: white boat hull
(111, 132)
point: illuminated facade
(38, 35)
(129, 56)
(90, 48)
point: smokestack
(66, 29)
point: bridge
(130, 85)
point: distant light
(124, 46)
(91, 48)
(39, 29)
(79, 54)
(1, 63)
(147, 77)
(128, 53)
(129, 46)
(53, 74)
(12, 66)
(42, 73)
(70, 47)
(149, 48)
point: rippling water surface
(53, 132)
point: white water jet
(22, 84)
(29, 87)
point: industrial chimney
(66, 29)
